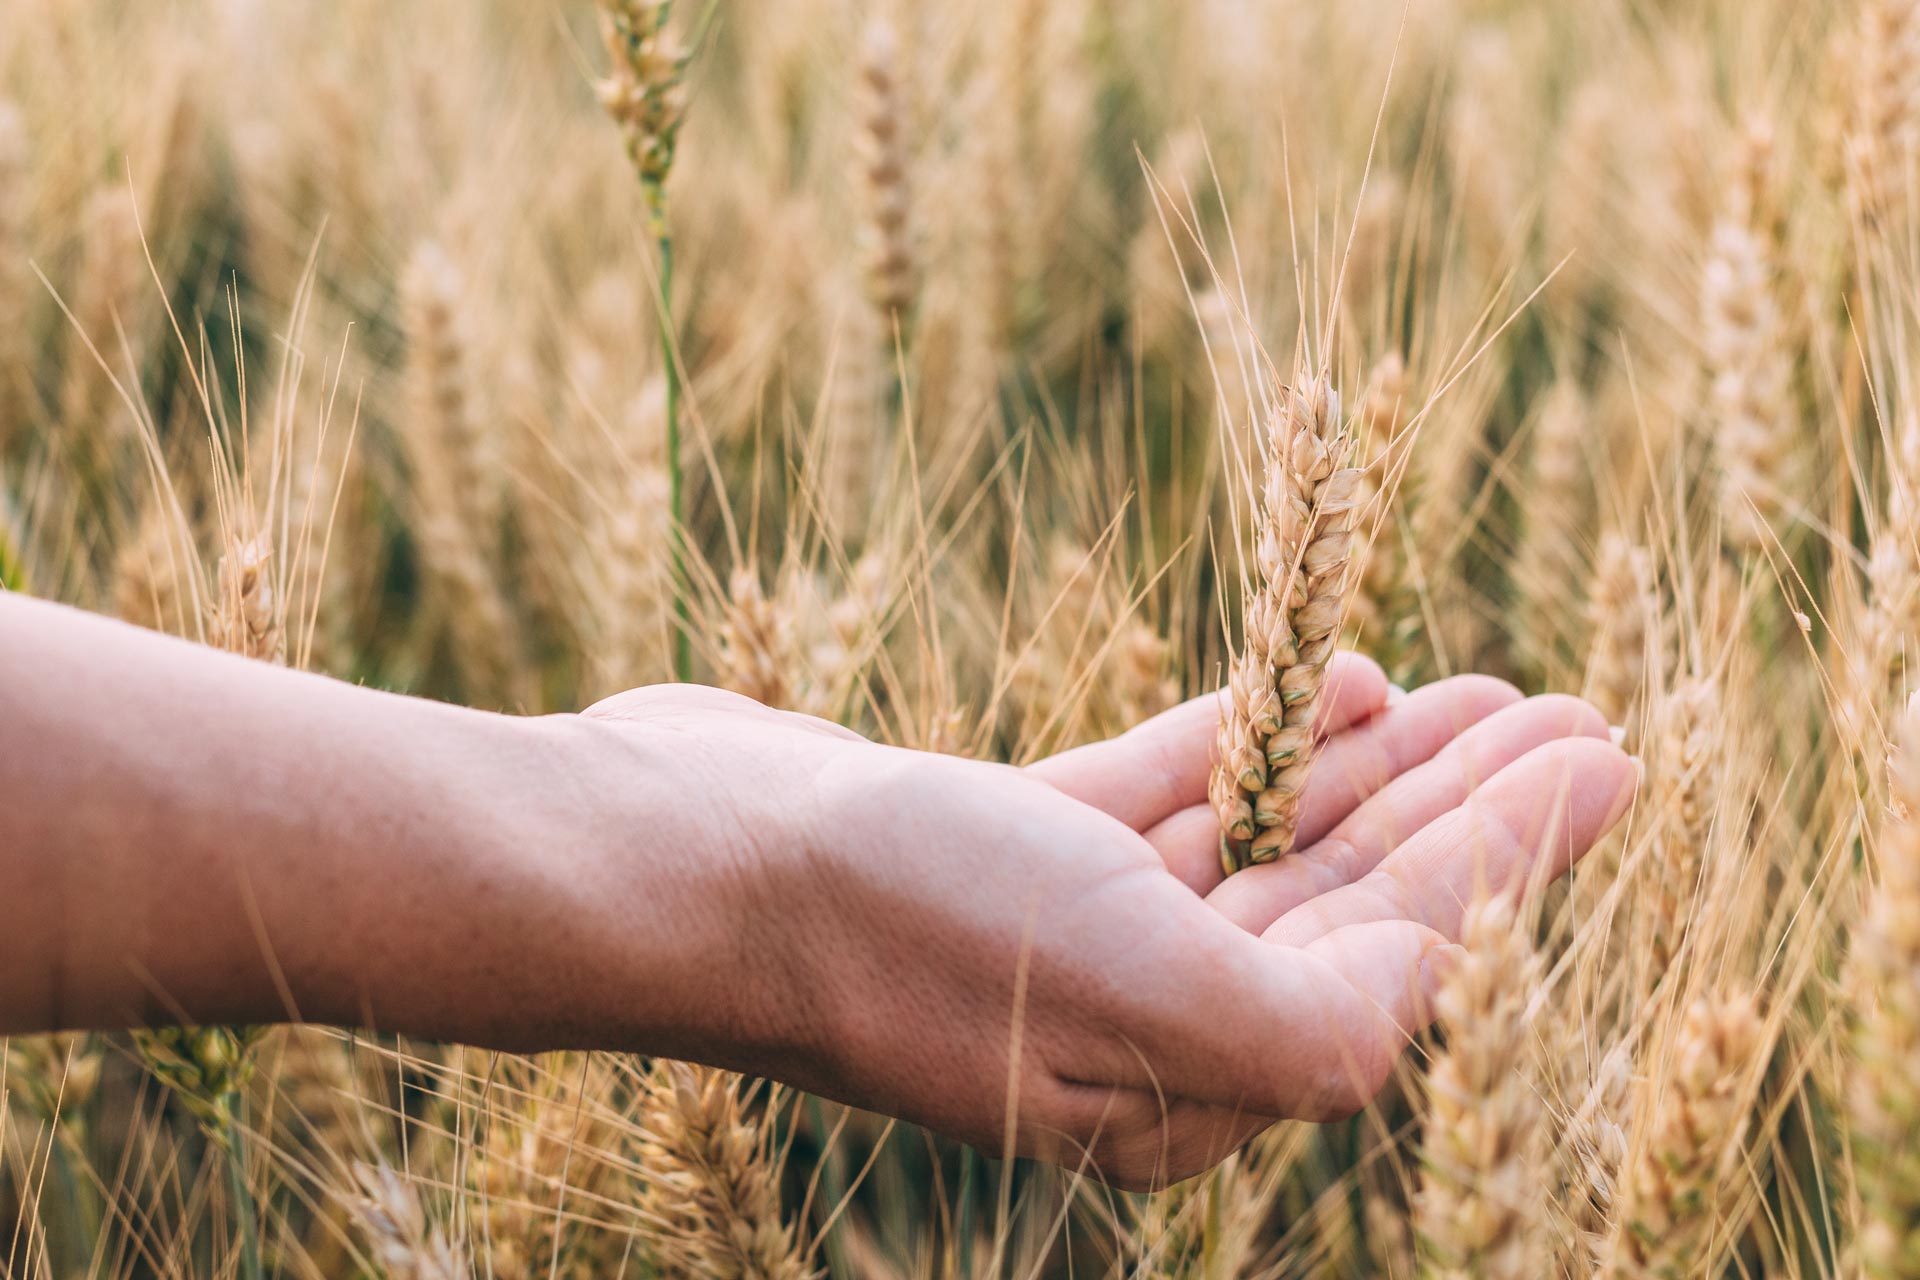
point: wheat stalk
(1304, 542)
(16, 282)
(646, 97)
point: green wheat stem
(227, 1135)
(682, 644)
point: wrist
(681, 889)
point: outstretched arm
(1045, 953)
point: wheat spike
(1304, 532)
(1688, 749)
(1385, 616)
(387, 1208)
(1883, 982)
(455, 481)
(544, 1164)
(1749, 356)
(712, 1181)
(1593, 1151)
(646, 95)
(247, 609)
(1693, 1125)
(1883, 124)
(883, 165)
(56, 1076)
(758, 656)
(1479, 1211)
(1623, 617)
(1554, 502)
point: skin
(1044, 960)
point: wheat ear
(387, 1208)
(883, 161)
(1749, 357)
(1623, 614)
(1304, 531)
(1687, 746)
(712, 1180)
(1479, 1211)
(1883, 981)
(455, 481)
(1692, 1141)
(1883, 128)
(758, 654)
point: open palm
(1417, 804)
(1047, 959)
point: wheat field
(987, 378)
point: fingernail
(1395, 693)
(1617, 734)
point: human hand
(1047, 960)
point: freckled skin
(684, 872)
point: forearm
(185, 834)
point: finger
(1531, 822)
(1189, 844)
(1161, 766)
(1353, 766)
(1259, 895)
(1361, 761)
(1208, 1012)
